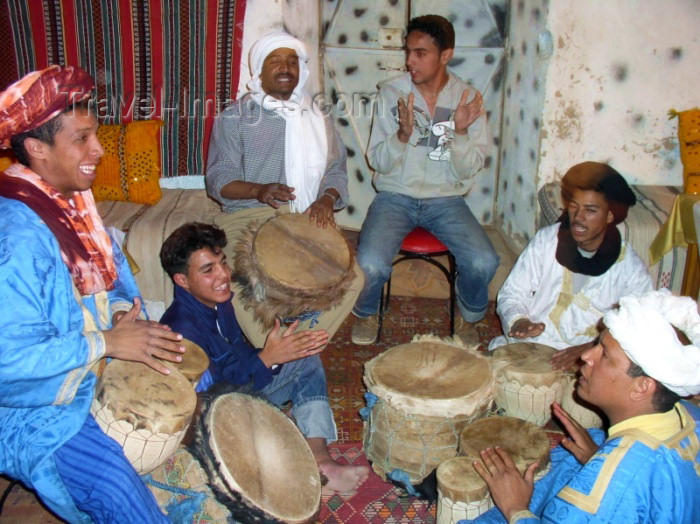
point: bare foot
(342, 479)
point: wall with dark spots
(358, 54)
(529, 46)
(615, 73)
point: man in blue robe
(67, 301)
(647, 469)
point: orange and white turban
(38, 97)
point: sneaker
(467, 332)
(365, 330)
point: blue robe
(632, 478)
(50, 337)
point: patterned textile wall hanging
(173, 60)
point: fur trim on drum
(270, 299)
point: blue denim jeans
(304, 383)
(392, 216)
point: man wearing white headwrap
(648, 467)
(275, 146)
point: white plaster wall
(618, 67)
(299, 18)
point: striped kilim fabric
(175, 60)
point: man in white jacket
(574, 271)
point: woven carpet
(376, 501)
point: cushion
(130, 168)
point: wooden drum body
(289, 266)
(526, 384)
(426, 392)
(146, 412)
(257, 460)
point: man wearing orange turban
(68, 300)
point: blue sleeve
(121, 298)
(236, 362)
(44, 350)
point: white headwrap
(642, 327)
(305, 142)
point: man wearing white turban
(272, 148)
(647, 469)
(275, 146)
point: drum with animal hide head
(288, 267)
(258, 462)
(146, 412)
(524, 441)
(526, 384)
(462, 493)
(422, 395)
(194, 362)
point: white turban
(266, 45)
(643, 328)
(305, 141)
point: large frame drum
(426, 392)
(257, 460)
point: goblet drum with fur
(146, 412)
(258, 463)
(423, 394)
(526, 384)
(288, 266)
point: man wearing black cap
(574, 271)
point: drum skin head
(429, 370)
(524, 441)
(288, 266)
(459, 481)
(293, 251)
(263, 456)
(194, 361)
(526, 357)
(146, 398)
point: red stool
(423, 245)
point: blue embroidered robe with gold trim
(49, 340)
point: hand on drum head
(525, 328)
(511, 491)
(142, 340)
(322, 211)
(569, 358)
(579, 443)
(289, 345)
(270, 194)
